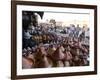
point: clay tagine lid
(24, 50)
(29, 49)
(68, 55)
(58, 54)
(43, 63)
(40, 52)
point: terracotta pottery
(68, 55)
(66, 63)
(58, 54)
(27, 63)
(51, 50)
(59, 64)
(45, 62)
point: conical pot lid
(58, 54)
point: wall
(5, 37)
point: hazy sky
(66, 18)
